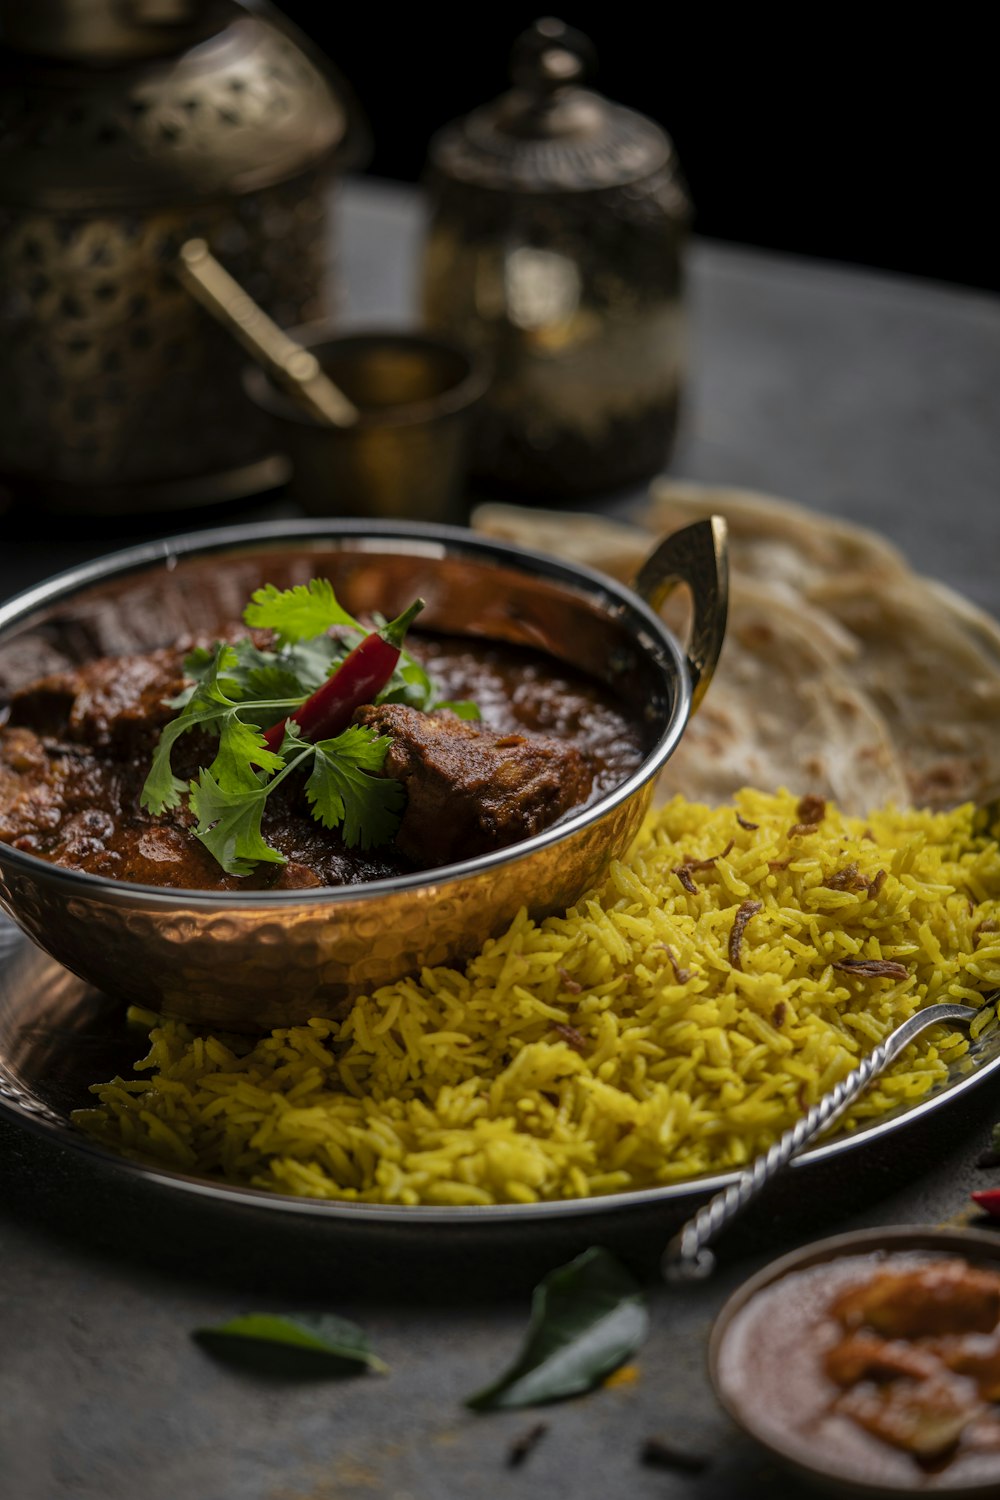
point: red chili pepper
(358, 680)
(989, 1200)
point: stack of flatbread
(843, 672)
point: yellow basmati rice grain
(614, 1047)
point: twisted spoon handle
(687, 1256)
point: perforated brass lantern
(127, 126)
(555, 247)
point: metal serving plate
(58, 1035)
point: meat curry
(886, 1367)
(76, 748)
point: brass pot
(126, 128)
(249, 961)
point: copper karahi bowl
(255, 960)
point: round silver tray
(58, 1036)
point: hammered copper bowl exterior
(249, 961)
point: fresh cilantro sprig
(217, 705)
(301, 618)
(238, 690)
(341, 790)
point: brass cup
(406, 458)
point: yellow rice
(460, 1088)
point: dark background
(836, 133)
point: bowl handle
(697, 556)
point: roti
(615, 547)
(844, 673)
(776, 540)
(934, 684)
(783, 711)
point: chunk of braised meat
(923, 1385)
(115, 703)
(470, 790)
(974, 1354)
(943, 1297)
(925, 1418)
(864, 1356)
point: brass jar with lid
(555, 247)
(127, 126)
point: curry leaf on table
(587, 1318)
(321, 1337)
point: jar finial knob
(550, 55)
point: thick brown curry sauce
(76, 748)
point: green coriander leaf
(314, 661)
(413, 682)
(275, 679)
(213, 707)
(241, 756)
(462, 708)
(183, 698)
(229, 824)
(293, 741)
(247, 673)
(238, 674)
(162, 789)
(197, 664)
(299, 613)
(344, 794)
(225, 661)
(359, 746)
(219, 681)
(586, 1319)
(331, 1343)
(199, 660)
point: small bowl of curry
(869, 1363)
(581, 695)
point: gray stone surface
(872, 397)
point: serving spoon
(687, 1256)
(296, 369)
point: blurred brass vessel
(262, 959)
(127, 126)
(555, 247)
